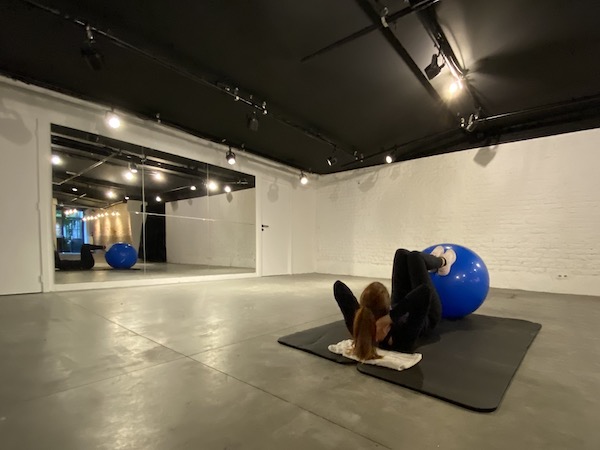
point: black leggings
(85, 263)
(416, 309)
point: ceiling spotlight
(56, 160)
(389, 159)
(127, 197)
(158, 199)
(230, 157)
(253, 122)
(331, 160)
(113, 120)
(212, 186)
(129, 175)
(264, 107)
(227, 189)
(433, 69)
(303, 178)
(74, 189)
(158, 176)
(471, 123)
(132, 168)
(236, 92)
(455, 86)
(110, 194)
(89, 52)
(192, 188)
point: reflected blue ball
(121, 256)
(465, 288)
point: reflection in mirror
(122, 212)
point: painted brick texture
(531, 209)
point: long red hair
(374, 304)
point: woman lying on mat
(86, 262)
(414, 309)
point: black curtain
(156, 246)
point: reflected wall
(183, 217)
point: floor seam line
(62, 391)
(289, 402)
(125, 328)
(257, 336)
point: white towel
(391, 360)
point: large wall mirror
(117, 204)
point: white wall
(304, 223)
(20, 266)
(530, 209)
(214, 230)
(26, 113)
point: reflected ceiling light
(127, 197)
(303, 178)
(158, 199)
(253, 122)
(129, 175)
(212, 186)
(264, 107)
(230, 157)
(89, 52)
(331, 160)
(113, 120)
(56, 160)
(227, 189)
(110, 194)
(192, 188)
(158, 176)
(433, 69)
(389, 159)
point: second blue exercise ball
(121, 256)
(465, 288)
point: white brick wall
(531, 209)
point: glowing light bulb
(113, 120)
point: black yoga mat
(316, 340)
(470, 362)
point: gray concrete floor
(198, 366)
(103, 272)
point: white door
(276, 234)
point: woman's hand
(383, 326)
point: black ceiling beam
(507, 127)
(78, 148)
(403, 53)
(428, 19)
(417, 6)
(219, 86)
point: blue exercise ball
(465, 288)
(121, 256)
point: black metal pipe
(364, 31)
(499, 125)
(191, 76)
(403, 53)
(429, 21)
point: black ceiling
(531, 69)
(91, 166)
